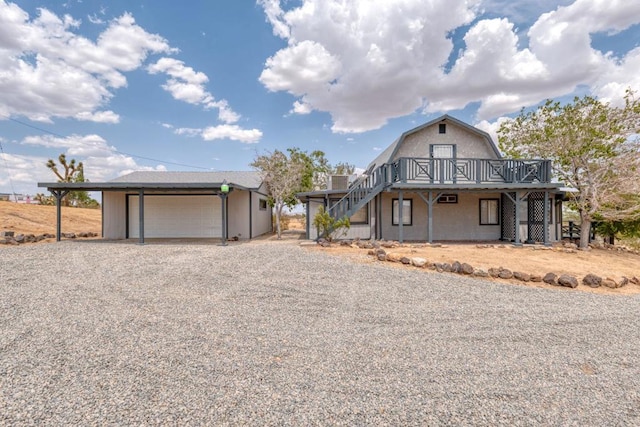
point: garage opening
(175, 216)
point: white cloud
(367, 61)
(225, 131)
(188, 85)
(101, 162)
(233, 132)
(49, 71)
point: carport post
(141, 218)
(59, 194)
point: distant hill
(36, 219)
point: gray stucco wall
(261, 218)
(468, 144)
(456, 221)
(114, 218)
(238, 219)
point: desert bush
(328, 227)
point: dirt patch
(526, 259)
(37, 219)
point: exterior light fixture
(224, 192)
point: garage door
(176, 216)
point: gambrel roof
(389, 153)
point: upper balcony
(411, 170)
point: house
(178, 205)
(445, 181)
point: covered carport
(139, 192)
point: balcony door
(444, 163)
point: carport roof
(166, 180)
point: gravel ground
(269, 333)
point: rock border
(380, 250)
(10, 238)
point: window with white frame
(407, 212)
(489, 212)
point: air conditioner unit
(338, 182)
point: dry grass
(36, 219)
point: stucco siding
(356, 231)
(454, 221)
(238, 214)
(468, 144)
(261, 218)
(114, 218)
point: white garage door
(176, 216)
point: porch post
(400, 217)
(430, 217)
(516, 241)
(141, 216)
(545, 219)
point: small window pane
(489, 212)
(406, 212)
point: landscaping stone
(635, 280)
(405, 260)
(456, 267)
(536, 278)
(466, 269)
(592, 280)
(447, 267)
(479, 272)
(615, 282)
(550, 278)
(382, 257)
(19, 238)
(6, 233)
(523, 277)
(494, 272)
(505, 273)
(418, 262)
(567, 281)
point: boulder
(405, 260)
(19, 238)
(394, 257)
(447, 267)
(615, 282)
(494, 272)
(505, 274)
(567, 281)
(592, 280)
(466, 269)
(456, 267)
(523, 277)
(418, 262)
(479, 272)
(536, 278)
(550, 278)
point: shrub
(328, 227)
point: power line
(111, 151)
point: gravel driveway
(269, 333)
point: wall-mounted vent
(338, 182)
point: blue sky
(159, 85)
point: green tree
(593, 147)
(72, 172)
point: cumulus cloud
(225, 131)
(101, 160)
(186, 84)
(49, 71)
(367, 61)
